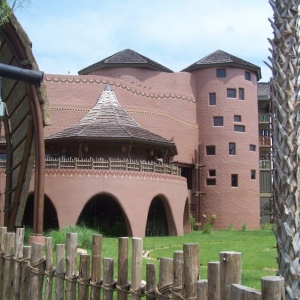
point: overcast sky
(68, 35)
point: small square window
(232, 150)
(221, 72)
(212, 99)
(237, 118)
(212, 173)
(241, 94)
(218, 121)
(252, 147)
(240, 128)
(210, 150)
(234, 180)
(231, 93)
(210, 181)
(253, 174)
(247, 75)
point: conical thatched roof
(125, 58)
(107, 120)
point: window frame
(234, 180)
(229, 90)
(241, 94)
(212, 100)
(212, 172)
(216, 120)
(237, 118)
(211, 181)
(252, 147)
(253, 174)
(248, 75)
(239, 126)
(232, 150)
(212, 148)
(221, 73)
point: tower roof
(108, 121)
(125, 58)
(221, 58)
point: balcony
(108, 164)
(265, 164)
(264, 118)
(264, 140)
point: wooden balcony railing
(264, 140)
(108, 164)
(265, 164)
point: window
(247, 75)
(212, 99)
(210, 150)
(212, 173)
(234, 180)
(241, 94)
(237, 118)
(232, 149)
(210, 181)
(253, 174)
(252, 147)
(240, 128)
(231, 93)
(221, 72)
(218, 121)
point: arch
(104, 213)
(160, 221)
(50, 214)
(186, 217)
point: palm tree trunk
(284, 96)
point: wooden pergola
(27, 114)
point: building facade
(209, 111)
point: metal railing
(264, 118)
(264, 140)
(265, 164)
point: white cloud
(69, 35)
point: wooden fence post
(84, 277)
(240, 292)
(177, 274)
(25, 276)
(165, 277)
(96, 266)
(231, 272)
(60, 272)
(272, 288)
(108, 277)
(213, 276)
(136, 269)
(122, 285)
(49, 269)
(8, 272)
(190, 270)
(3, 231)
(37, 271)
(71, 274)
(18, 262)
(150, 281)
(202, 290)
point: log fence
(28, 272)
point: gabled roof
(107, 120)
(221, 58)
(125, 58)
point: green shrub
(230, 226)
(244, 227)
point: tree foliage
(7, 7)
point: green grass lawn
(257, 248)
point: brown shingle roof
(107, 120)
(125, 58)
(222, 58)
(263, 88)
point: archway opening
(157, 222)
(104, 214)
(50, 215)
